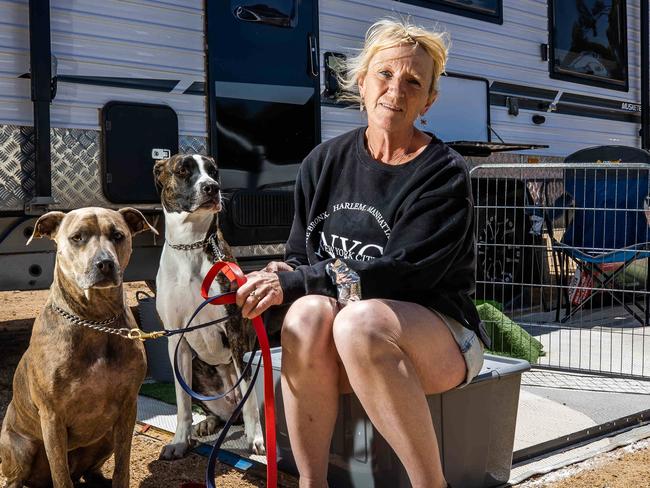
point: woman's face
(395, 89)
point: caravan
(92, 93)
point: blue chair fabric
(608, 224)
(608, 211)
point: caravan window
(588, 42)
(489, 10)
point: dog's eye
(76, 237)
(182, 171)
(117, 236)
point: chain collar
(211, 241)
(100, 326)
(188, 247)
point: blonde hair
(387, 33)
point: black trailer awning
(478, 148)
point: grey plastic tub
(475, 426)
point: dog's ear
(136, 221)
(158, 170)
(47, 225)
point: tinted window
(588, 42)
(490, 10)
(485, 6)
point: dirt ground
(624, 468)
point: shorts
(470, 346)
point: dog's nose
(210, 189)
(105, 266)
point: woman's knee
(308, 323)
(365, 328)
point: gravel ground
(623, 468)
(627, 467)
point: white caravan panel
(111, 42)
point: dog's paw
(174, 451)
(256, 446)
(207, 427)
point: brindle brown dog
(75, 388)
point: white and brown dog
(191, 199)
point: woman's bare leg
(310, 385)
(394, 352)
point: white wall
(110, 38)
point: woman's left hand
(261, 291)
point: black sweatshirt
(407, 230)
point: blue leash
(210, 471)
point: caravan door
(263, 89)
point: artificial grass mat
(164, 392)
(508, 338)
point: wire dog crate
(563, 263)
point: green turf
(160, 391)
(509, 338)
(164, 392)
(494, 303)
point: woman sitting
(379, 266)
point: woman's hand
(275, 266)
(261, 290)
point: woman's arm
(295, 253)
(276, 266)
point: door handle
(313, 55)
(262, 14)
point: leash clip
(143, 336)
(218, 253)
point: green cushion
(508, 338)
(633, 276)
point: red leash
(235, 275)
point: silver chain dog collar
(93, 324)
(212, 240)
(187, 247)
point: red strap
(234, 274)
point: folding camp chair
(607, 227)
